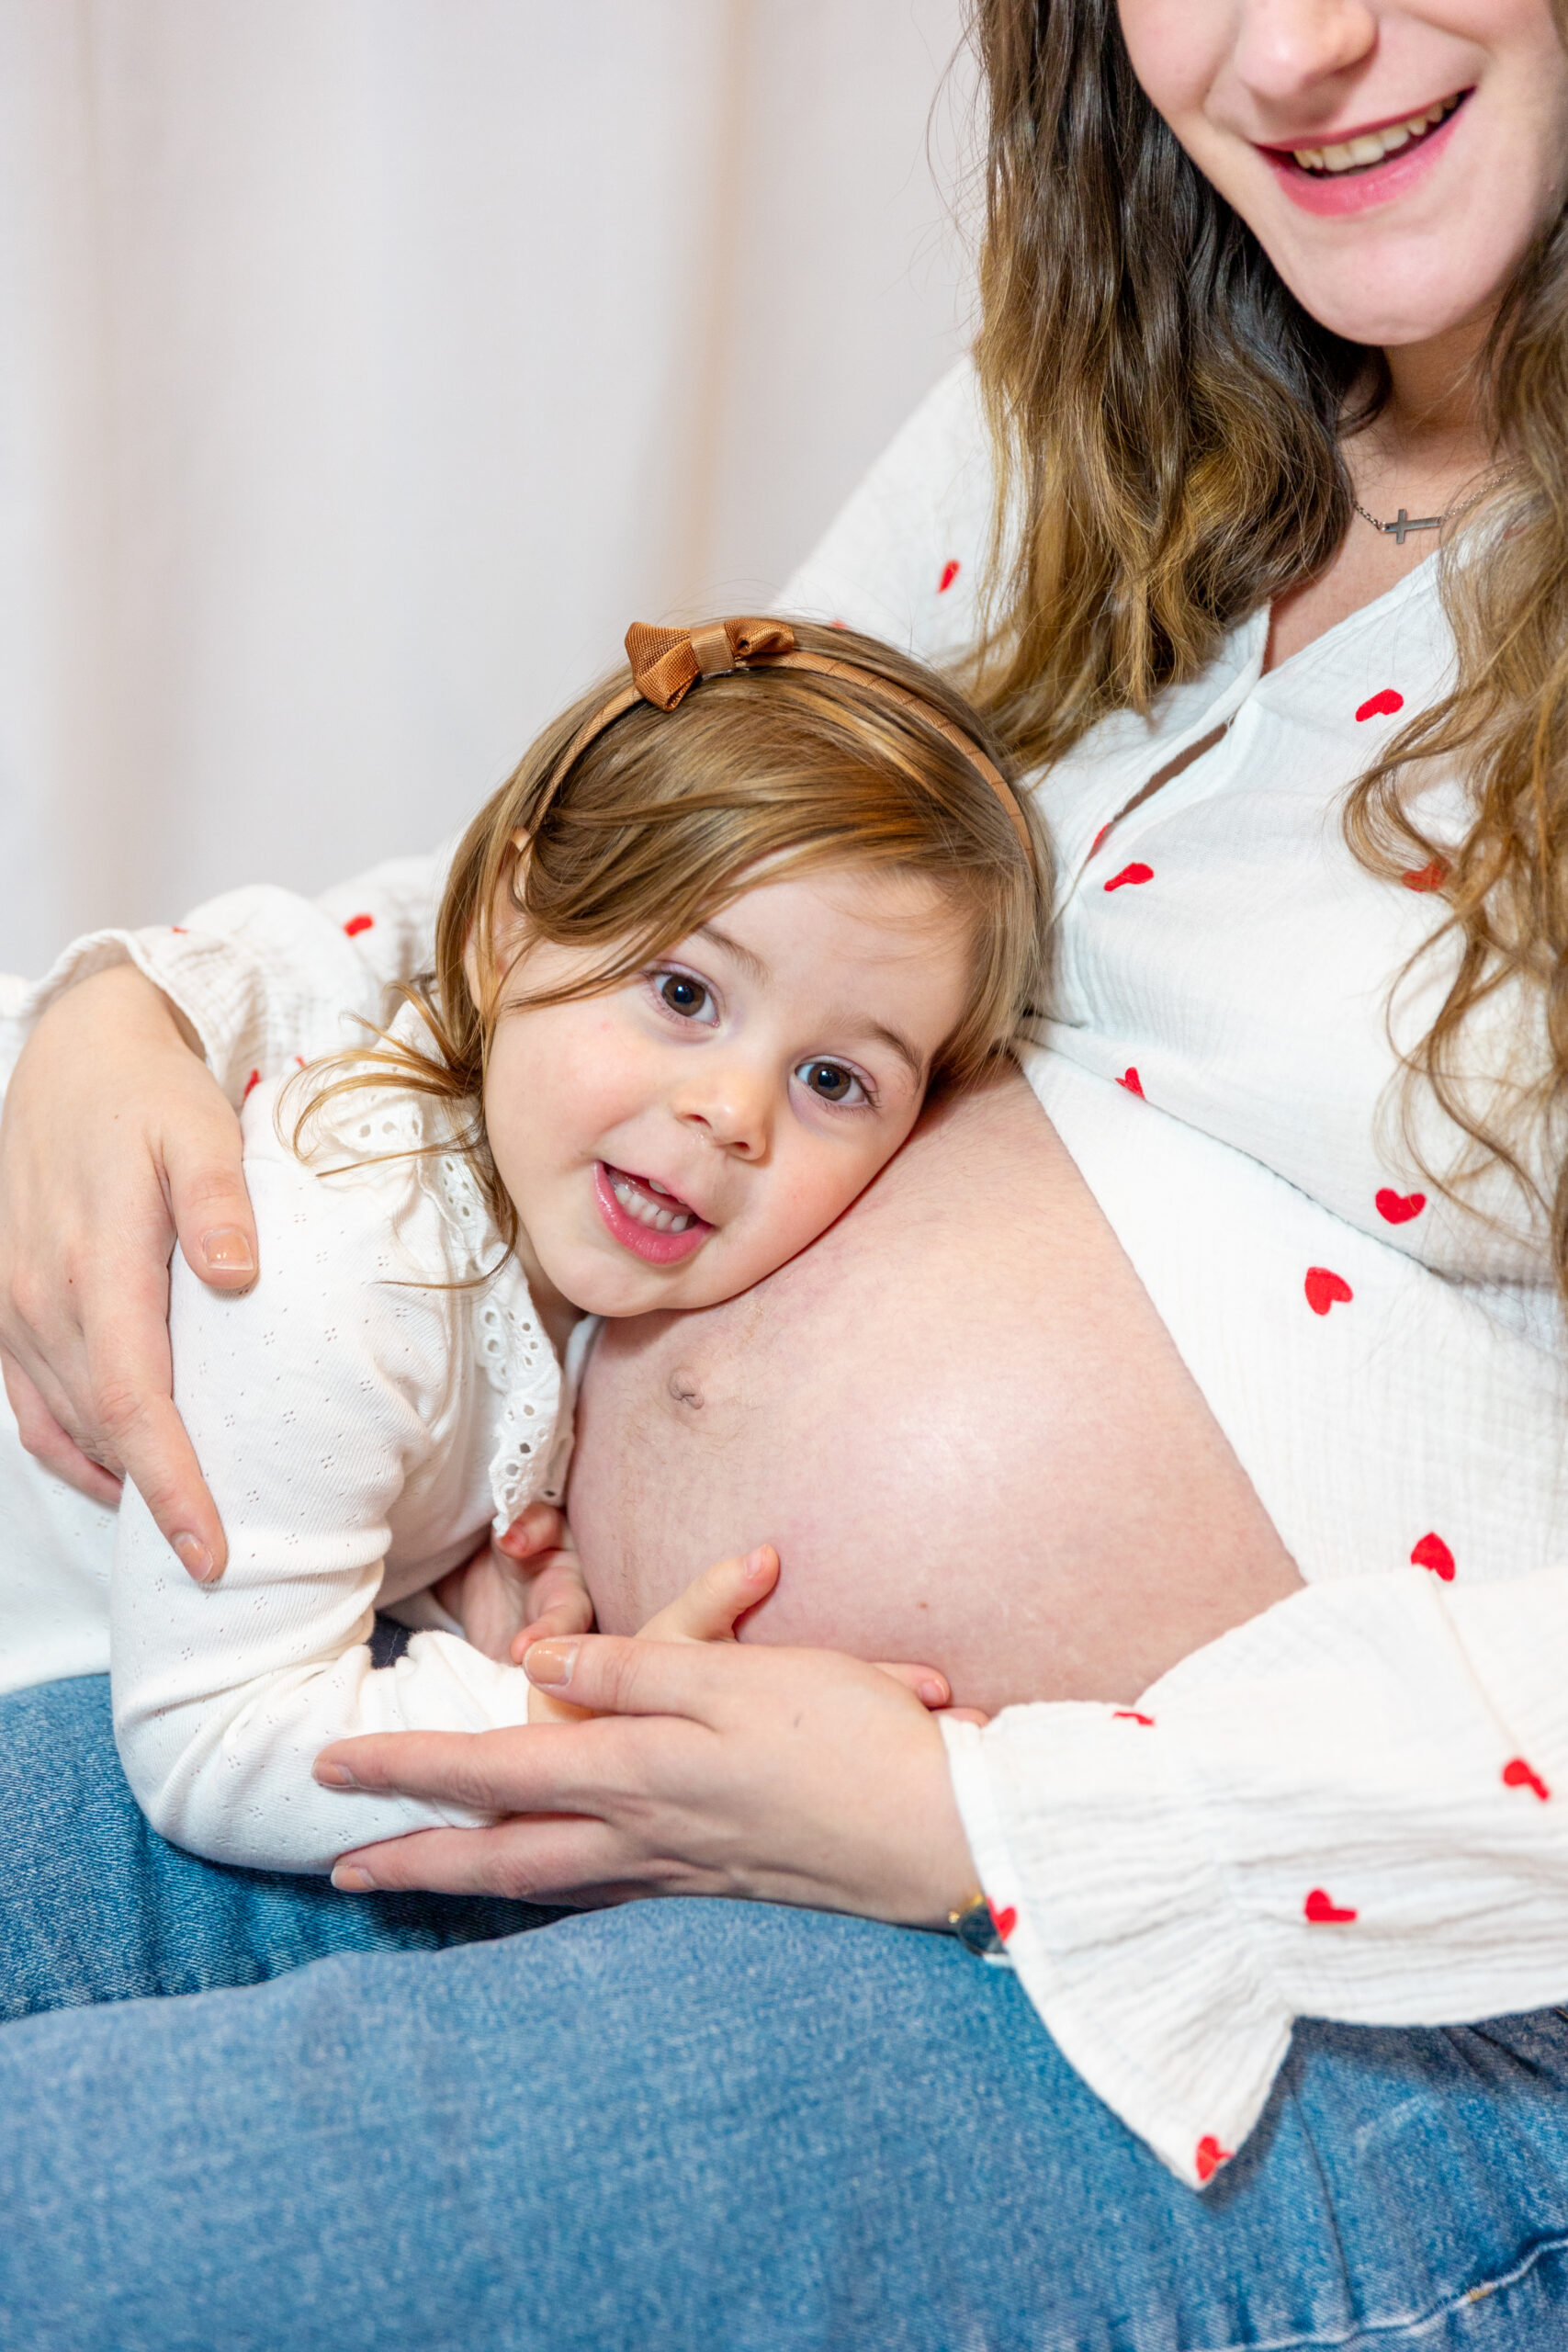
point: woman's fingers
(529, 1861)
(44, 1439)
(115, 1135)
(208, 1200)
(707, 1610)
(586, 1769)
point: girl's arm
(313, 1401)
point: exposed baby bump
(960, 1421)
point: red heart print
(838, 624)
(1132, 1082)
(1518, 1774)
(1398, 1208)
(1325, 1290)
(179, 931)
(1322, 1911)
(1100, 835)
(1426, 877)
(949, 571)
(1434, 1553)
(1133, 872)
(1004, 1922)
(1389, 701)
(356, 923)
(1130, 1716)
(1208, 2157)
(253, 1079)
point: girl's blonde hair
(667, 816)
(1168, 420)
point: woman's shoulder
(903, 557)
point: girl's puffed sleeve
(1355, 1806)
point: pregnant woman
(1196, 1399)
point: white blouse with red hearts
(1356, 1806)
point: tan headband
(668, 662)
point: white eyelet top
(384, 1395)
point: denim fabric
(690, 2125)
(97, 1907)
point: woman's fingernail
(550, 1663)
(759, 1562)
(335, 1776)
(227, 1249)
(352, 1878)
(194, 1557)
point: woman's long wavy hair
(1169, 421)
(667, 817)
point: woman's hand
(781, 1775)
(521, 1587)
(115, 1138)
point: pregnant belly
(961, 1421)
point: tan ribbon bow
(667, 663)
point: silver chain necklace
(1403, 524)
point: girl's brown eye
(682, 995)
(830, 1082)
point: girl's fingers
(931, 1689)
(540, 1528)
(708, 1608)
(566, 1612)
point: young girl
(697, 962)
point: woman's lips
(1356, 189)
(656, 1246)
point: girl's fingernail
(352, 1878)
(759, 1562)
(194, 1557)
(934, 1693)
(550, 1663)
(335, 1776)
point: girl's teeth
(662, 1220)
(1354, 155)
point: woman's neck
(1418, 457)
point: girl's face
(1393, 157)
(670, 1143)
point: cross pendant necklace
(1403, 523)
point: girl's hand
(116, 1138)
(710, 1767)
(520, 1587)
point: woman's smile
(1373, 163)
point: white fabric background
(365, 365)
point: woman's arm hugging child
(698, 962)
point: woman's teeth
(631, 1200)
(1355, 154)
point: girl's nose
(730, 1105)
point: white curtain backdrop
(365, 365)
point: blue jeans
(678, 2124)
